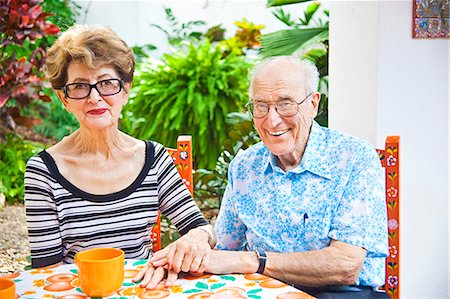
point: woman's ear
(126, 89)
(62, 98)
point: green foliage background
(190, 92)
(14, 153)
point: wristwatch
(262, 261)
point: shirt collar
(314, 159)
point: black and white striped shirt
(62, 219)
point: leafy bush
(210, 184)
(14, 152)
(23, 39)
(28, 27)
(189, 92)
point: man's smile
(278, 133)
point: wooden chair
(390, 160)
(182, 158)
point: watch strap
(262, 261)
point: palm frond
(271, 3)
(286, 42)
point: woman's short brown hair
(94, 45)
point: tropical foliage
(189, 92)
(14, 153)
(179, 32)
(210, 184)
(23, 38)
(27, 29)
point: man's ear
(62, 98)
(315, 100)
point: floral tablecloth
(61, 282)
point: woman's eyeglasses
(78, 91)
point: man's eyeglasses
(287, 108)
(78, 91)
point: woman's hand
(151, 276)
(190, 253)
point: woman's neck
(103, 143)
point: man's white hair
(305, 67)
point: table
(61, 282)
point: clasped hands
(190, 253)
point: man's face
(285, 137)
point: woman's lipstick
(97, 111)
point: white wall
(412, 92)
(353, 68)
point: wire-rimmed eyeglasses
(78, 91)
(287, 108)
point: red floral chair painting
(390, 160)
(182, 158)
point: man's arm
(337, 264)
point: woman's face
(94, 112)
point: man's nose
(273, 117)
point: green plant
(302, 33)
(210, 184)
(28, 27)
(63, 12)
(246, 37)
(180, 32)
(189, 92)
(248, 33)
(141, 52)
(215, 33)
(14, 153)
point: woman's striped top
(62, 219)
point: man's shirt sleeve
(360, 217)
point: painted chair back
(182, 158)
(390, 160)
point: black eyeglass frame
(249, 103)
(121, 84)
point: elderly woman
(99, 187)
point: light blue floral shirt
(337, 192)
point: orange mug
(100, 271)
(7, 289)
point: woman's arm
(41, 214)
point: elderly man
(306, 204)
